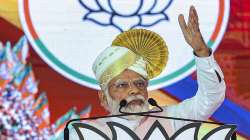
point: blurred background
(36, 101)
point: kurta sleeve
(209, 96)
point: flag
(38, 100)
(5, 76)
(28, 101)
(85, 112)
(19, 78)
(61, 122)
(41, 111)
(63, 119)
(9, 55)
(6, 63)
(21, 50)
(17, 68)
(29, 86)
(45, 119)
(40, 105)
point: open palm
(192, 32)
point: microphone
(123, 103)
(151, 101)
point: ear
(103, 99)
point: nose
(133, 90)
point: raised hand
(192, 33)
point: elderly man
(123, 71)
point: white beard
(113, 106)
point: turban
(139, 50)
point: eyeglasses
(124, 85)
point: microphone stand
(151, 101)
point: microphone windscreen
(123, 103)
(152, 102)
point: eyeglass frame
(123, 85)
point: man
(124, 69)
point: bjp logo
(124, 15)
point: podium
(112, 130)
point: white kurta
(210, 95)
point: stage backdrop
(66, 36)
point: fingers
(182, 23)
(184, 28)
(195, 13)
(193, 19)
(191, 30)
(190, 18)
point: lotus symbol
(124, 14)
